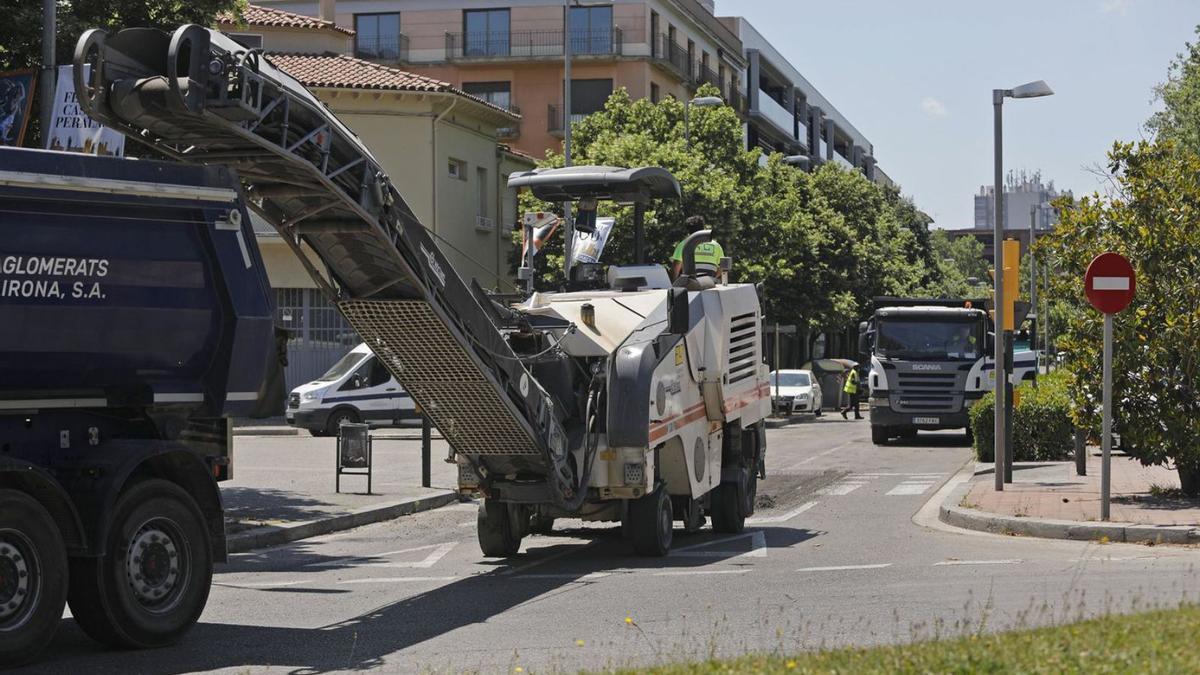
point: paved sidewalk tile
(1053, 491)
(279, 480)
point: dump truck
(627, 397)
(135, 320)
(931, 360)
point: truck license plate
(927, 420)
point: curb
(266, 431)
(273, 535)
(973, 519)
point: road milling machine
(624, 397)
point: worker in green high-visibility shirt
(708, 254)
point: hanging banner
(16, 100)
(73, 131)
(589, 245)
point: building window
(457, 168)
(589, 96)
(591, 30)
(485, 32)
(377, 36)
(654, 41)
(247, 40)
(655, 94)
(496, 93)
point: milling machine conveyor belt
(198, 96)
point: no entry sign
(1109, 282)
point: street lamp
(798, 161)
(700, 102)
(1003, 455)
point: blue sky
(916, 77)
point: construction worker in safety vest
(851, 390)
(708, 254)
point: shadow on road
(364, 641)
(932, 440)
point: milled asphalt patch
(273, 535)
(952, 513)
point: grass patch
(1161, 641)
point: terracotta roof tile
(341, 71)
(254, 15)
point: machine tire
(879, 435)
(727, 505)
(33, 577)
(653, 523)
(539, 524)
(495, 530)
(691, 514)
(152, 586)
(337, 418)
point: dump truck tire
(33, 578)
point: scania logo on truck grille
(927, 366)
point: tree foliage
(1150, 219)
(822, 244)
(961, 266)
(1179, 120)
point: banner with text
(72, 130)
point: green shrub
(1042, 428)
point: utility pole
(1037, 361)
(999, 349)
(49, 30)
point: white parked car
(358, 388)
(795, 391)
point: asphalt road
(841, 552)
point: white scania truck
(931, 359)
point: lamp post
(1003, 352)
(701, 102)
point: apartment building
(510, 52)
(438, 144)
(787, 114)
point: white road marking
(806, 460)
(438, 552)
(543, 561)
(685, 573)
(782, 518)
(843, 488)
(259, 584)
(758, 547)
(839, 568)
(1006, 561)
(393, 580)
(910, 487)
(911, 475)
(591, 576)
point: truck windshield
(343, 366)
(930, 339)
(790, 379)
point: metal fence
(390, 49)
(667, 52)
(318, 334)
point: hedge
(1042, 428)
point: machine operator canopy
(598, 182)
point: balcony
(776, 114)
(736, 100)
(525, 44)
(842, 161)
(671, 56)
(554, 118)
(387, 50)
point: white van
(358, 388)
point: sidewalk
(1049, 500)
(283, 486)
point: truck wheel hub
(16, 580)
(153, 564)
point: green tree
(1179, 120)
(961, 266)
(1151, 219)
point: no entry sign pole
(1109, 285)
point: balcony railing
(532, 43)
(389, 49)
(670, 54)
(736, 100)
(841, 161)
(705, 75)
(554, 118)
(776, 113)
